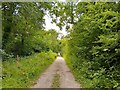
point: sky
(48, 25)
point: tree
(94, 41)
(20, 21)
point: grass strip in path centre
(56, 81)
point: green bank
(25, 72)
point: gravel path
(66, 78)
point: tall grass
(24, 73)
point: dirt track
(66, 78)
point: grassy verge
(56, 81)
(89, 79)
(25, 72)
(78, 72)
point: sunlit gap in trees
(49, 25)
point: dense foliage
(92, 49)
(27, 48)
(23, 36)
(23, 31)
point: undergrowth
(24, 73)
(90, 78)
